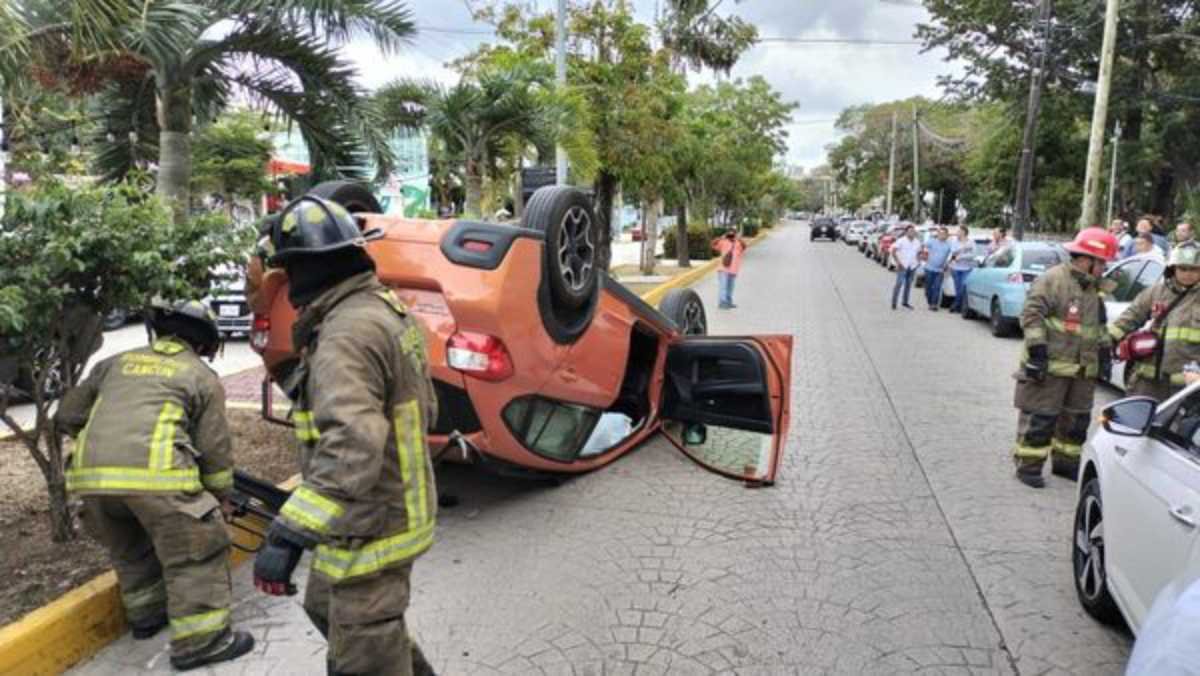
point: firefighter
(363, 399)
(1173, 309)
(1066, 348)
(152, 462)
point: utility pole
(1091, 185)
(916, 167)
(3, 157)
(1037, 80)
(1112, 180)
(892, 167)
(560, 73)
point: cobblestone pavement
(895, 540)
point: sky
(823, 79)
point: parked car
(227, 298)
(870, 239)
(855, 232)
(1127, 278)
(1138, 507)
(996, 289)
(823, 227)
(543, 364)
(884, 245)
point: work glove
(277, 559)
(1038, 363)
(1106, 362)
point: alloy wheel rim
(576, 251)
(1089, 549)
(694, 323)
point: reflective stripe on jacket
(1179, 332)
(368, 496)
(1062, 311)
(150, 420)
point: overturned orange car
(542, 363)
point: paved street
(895, 540)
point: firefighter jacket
(150, 420)
(363, 402)
(1178, 332)
(1064, 311)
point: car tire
(565, 216)
(686, 309)
(1087, 556)
(996, 320)
(115, 320)
(355, 197)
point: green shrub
(700, 237)
(750, 228)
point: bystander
(904, 254)
(937, 259)
(962, 262)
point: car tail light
(479, 355)
(260, 331)
(1016, 278)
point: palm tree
(473, 119)
(183, 61)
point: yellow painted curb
(78, 624)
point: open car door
(725, 403)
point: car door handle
(1184, 515)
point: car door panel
(1152, 511)
(740, 387)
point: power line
(841, 41)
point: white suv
(1138, 509)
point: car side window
(1183, 426)
(1125, 276)
(1001, 259)
(1148, 276)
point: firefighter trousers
(363, 621)
(1053, 419)
(171, 553)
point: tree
(693, 33)
(231, 159)
(473, 119)
(70, 253)
(171, 62)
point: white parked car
(1138, 507)
(1128, 278)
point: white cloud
(823, 79)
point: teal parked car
(996, 289)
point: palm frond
(388, 23)
(125, 108)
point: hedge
(700, 239)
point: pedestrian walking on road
(937, 261)
(962, 262)
(730, 248)
(153, 463)
(363, 400)
(1158, 354)
(905, 253)
(1066, 349)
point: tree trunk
(474, 205)
(62, 526)
(681, 235)
(606, 188)
(653, 209)
(175, 144)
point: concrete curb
(78, 624)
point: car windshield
(1039, 260)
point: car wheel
(997, 321)
(355, 197)
(1087, 556)
(967, 312)
(565, 216)
(115, 320)
(684, 307)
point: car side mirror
(695, 435)
(1130, 417)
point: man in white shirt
(905, 253)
